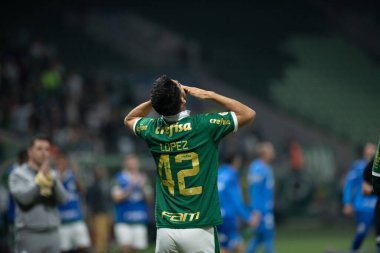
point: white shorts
(189, 240)
(73, 236)
(133, 235)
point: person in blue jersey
(74, 236)
(131, 193)
(355, 203)
(368, 190)
(261, 199)
(231, 204)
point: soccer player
(354, 202)
(368, 190)
(261, 198)
(231, 204)
(37, 191)
(376, 188)
(131, 194)
(73, 232)
(185, 149)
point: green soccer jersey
(186, 155)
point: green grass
(318, 240)
(295, 237)
(310, 236)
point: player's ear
(183, 99)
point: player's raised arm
(138, 112)
(243, 113)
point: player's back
(225, 181)
(186, 155)
(230, 196)
(261, 186)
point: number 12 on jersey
(164, 167)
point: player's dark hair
(165, 96)
(39, 138)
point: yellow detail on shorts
(181, 217)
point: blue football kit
(133, 209)
(261, 198)
(71, 210)
(232, 207)
(363, 205)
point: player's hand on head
(196, 92)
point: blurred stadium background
(309, 68)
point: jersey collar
(177, 117)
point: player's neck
(177, 117)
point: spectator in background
(354, 202)
(74, 93)
(98, 203)
(74, 236)
(261, 198)
(131, 193)
(298, 187)
(231, 204)
(37, 191)
(296, 158)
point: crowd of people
(39, 93)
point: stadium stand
(334, 85)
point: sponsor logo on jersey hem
(180, 217)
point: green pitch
(323, 239)
(301, 237)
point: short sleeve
(220, 124)
(141, 126)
